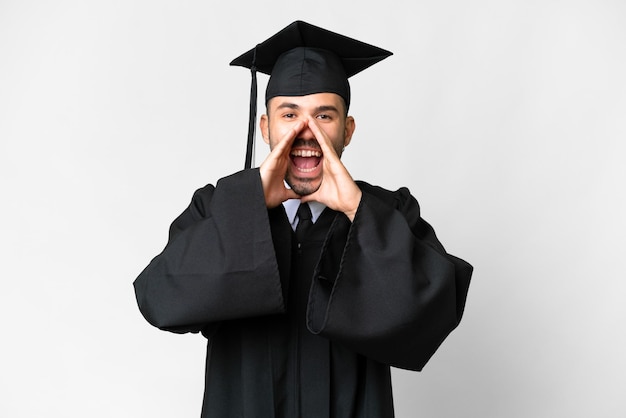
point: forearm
(219, 263)
(394, 296)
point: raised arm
(219, 262)
(396, 294)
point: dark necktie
(304, 221)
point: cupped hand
(275, 166)
(338, 190)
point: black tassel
(252, 120)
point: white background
(506, 119)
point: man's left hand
(338, 190)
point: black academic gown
(305, 330)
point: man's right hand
(275, 166)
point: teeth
(305, 153)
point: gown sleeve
(395, 294)
(219, 262)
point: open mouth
(305, 160)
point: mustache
(305, 143)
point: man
(307, 284)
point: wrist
(351, 212)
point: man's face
(327, 110)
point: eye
(323, 116)
(289, 115)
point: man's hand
(274, 168)
(338, 190)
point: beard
(302, 187)
(306, 186)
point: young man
(307, 284)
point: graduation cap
(305, 59)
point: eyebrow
(287, 105)
(323, 108)
(327, 108)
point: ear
(349, 130)
(264, 125)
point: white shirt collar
(291, 209)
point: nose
(306, 133)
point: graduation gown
(305, 329)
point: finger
(290, 194)
(313, 197)
(275, 162)
(284, 145)
(322, 138)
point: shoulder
(244, 181)
(396, 198)
(229, 192)
(201, 199)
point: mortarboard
(305, 59)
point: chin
(303, 187)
